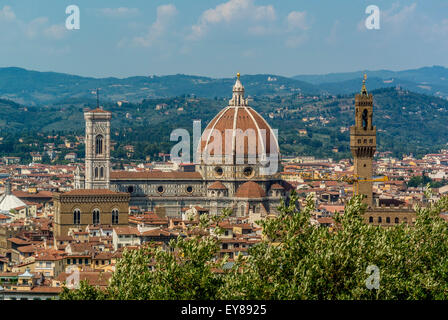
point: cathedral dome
(250, 190)
(248, 133)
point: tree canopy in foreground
(295, 260)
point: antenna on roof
(98, 98)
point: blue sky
(217, 38)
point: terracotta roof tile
(88, 192)
(93, 278)
(27, 249)
(98, 110)
(19, 241)
(126, 230)
(42, 289)
(156, 233)
(40, 194)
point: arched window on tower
(76, 217)
(364, 119)
(115, 216)
(96, 217)
(101, 172)
(96, 173)
(99, 144)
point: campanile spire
(363, 89)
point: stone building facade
(77, 209)
(222, 176)
(388, 216)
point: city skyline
(134, 165)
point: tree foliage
(423, 180)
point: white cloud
(165, 15)
(40, 27)
(401, 18)
(230, 11)
(264, 13)
(297, 26)
(297, 20)
(121, 12)
(37, 28)
(6, 14)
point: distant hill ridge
(40, 88)
(429, 80)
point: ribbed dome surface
(249, 134)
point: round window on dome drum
(189, 189)
(160, 189)
(248, 172)
(219, 171)
(130, 189)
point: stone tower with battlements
(363, 143)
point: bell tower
(363, 143)
(97, 149)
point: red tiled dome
(276, 186)
(250, 190)
(238, 115)
(217, 186)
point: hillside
(427, 80)
(407, 122)
(34, 88)
(38, 88)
